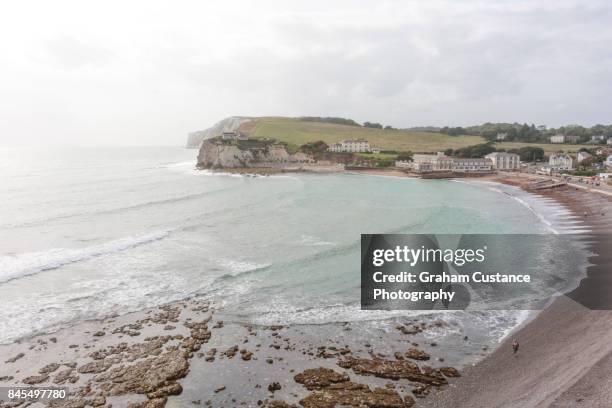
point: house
(501, 136)
(609, 141)
(557, 139)
(603, 151)
(583, 157)
(472, 165)
(234, 136)
(405, 164)
(564, 139)
(504, 161)
(598, 138)
(561, 161)
(228, 135)
(351, 146)
(609, 161)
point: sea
(87, 232)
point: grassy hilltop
(297, 132)
(548, 147)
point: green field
(297, 133)
(548, 147)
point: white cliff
(231, 124)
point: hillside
(548, 147)
(296, 132)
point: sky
(148, 72)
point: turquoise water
(86, 232)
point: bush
(373, 125)
(479, 150)
(338, 121)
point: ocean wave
(314, 241)
(237, 267)
(139, 206)
(499, 323)
(495, 187)
(15, 267)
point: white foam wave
(18, 266)
(314, 241)
(542, 219)
(238, 267)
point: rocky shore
(184, 354)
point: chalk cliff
(217, 154)
(231, 124)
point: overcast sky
(135, 73)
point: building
(234, 136)
(504, 161)
(598, 138)
(603, 151)
(583, 157)
(560, 161)
(351, 146)
(609, 141)
(501, 136)
(405, 164)
(564, 139)
(472, 165)
(557, 139)
(439, 162)
(436, 162)
(609, 161)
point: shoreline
(565, 358)
(220, 361)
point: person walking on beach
(515, 346)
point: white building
(564, 139)
(598, 138)
(350, 146)
(504, 161)
(557, 139)
(501, 136)
(609, 141)
(405, 164)
(434, 162)
(472, 165)
(561, 161)
(609, 161)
